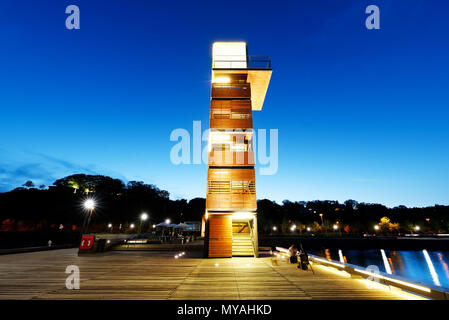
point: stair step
(242, 245)
(243, 254)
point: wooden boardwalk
(157, 275)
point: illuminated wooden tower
(239, 85)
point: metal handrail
(266, 60)
(426, 290)
(252, 237)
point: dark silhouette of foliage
(29, 208)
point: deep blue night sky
(362, 114)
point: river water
(425, 266)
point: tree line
(61, 206)
(350, 217)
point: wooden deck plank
(157, 275)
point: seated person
(293, 252)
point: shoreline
(335, 242)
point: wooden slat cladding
(244, 105)
(231, 114)
(231, 174)
(231, 189)
(220, 236)
(237, 78)
(231, 158)
(243, 187)
(231, 90)
(234, 187)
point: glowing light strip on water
(340, 254)
(431, 268)
(387, 265)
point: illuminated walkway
(151, 275)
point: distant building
(192, 226)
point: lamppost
(167, 221)
(417, 228)
(89, 205)
(337, 227)
(143, 217)
(322, 222)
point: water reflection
(426, 266)
(432, 271)
(386, 262)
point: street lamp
(132, 226)
(167, 221)
(143, 217)
(376, 227)
(417, 228)
(274, 228)
(337, 227)
(89, 205)
(308, 229)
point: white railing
(426, 290)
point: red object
(86, 242)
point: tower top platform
(232, 58)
